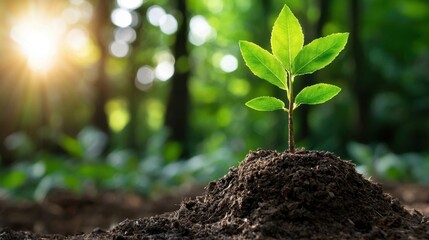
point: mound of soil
(306, 195)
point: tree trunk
(134, 94)
(358, 82)
(100, 26)
(177, 112)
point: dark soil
(68, 213)
(306, 195)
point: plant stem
(290, 114)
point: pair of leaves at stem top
(289, 59)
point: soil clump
(271, 195)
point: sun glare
(38, 41)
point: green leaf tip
(287, 38)
(319, 53)
(263, 64)
(316, 94)
(266, 104)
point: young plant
(290, 58)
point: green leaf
(13, 179)
(316, 94)
(263, 64)
(265, 104)
(72, 146)
(287, 38)
(319, 53)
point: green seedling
(289, 59)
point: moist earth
(271, 195)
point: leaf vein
(310, 61)
(266, 66)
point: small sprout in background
(290, 58)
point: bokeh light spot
(214, 6)
(129, 4)
(200, 30)
(154, 14)
(77, 39)
(121, 17)
(71, 15)
(238, 87)
(155, 113)
(168, 24)
(80, 47)
(144, 78)
(118, 114)
(228, 63)
(119, 49)
(127, 34)
(224, 116)
(164, 70)
(86, 11)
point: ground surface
(308, 195)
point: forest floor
(308, 195)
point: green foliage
(122, 170)
(378, 161)
(12, 179)
(72, 146)
(291, 59)
(266, 104)
(263, 64)
(316, 94)
(287, 38)
(319, 53)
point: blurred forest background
(145, 95)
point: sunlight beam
(38, 41)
